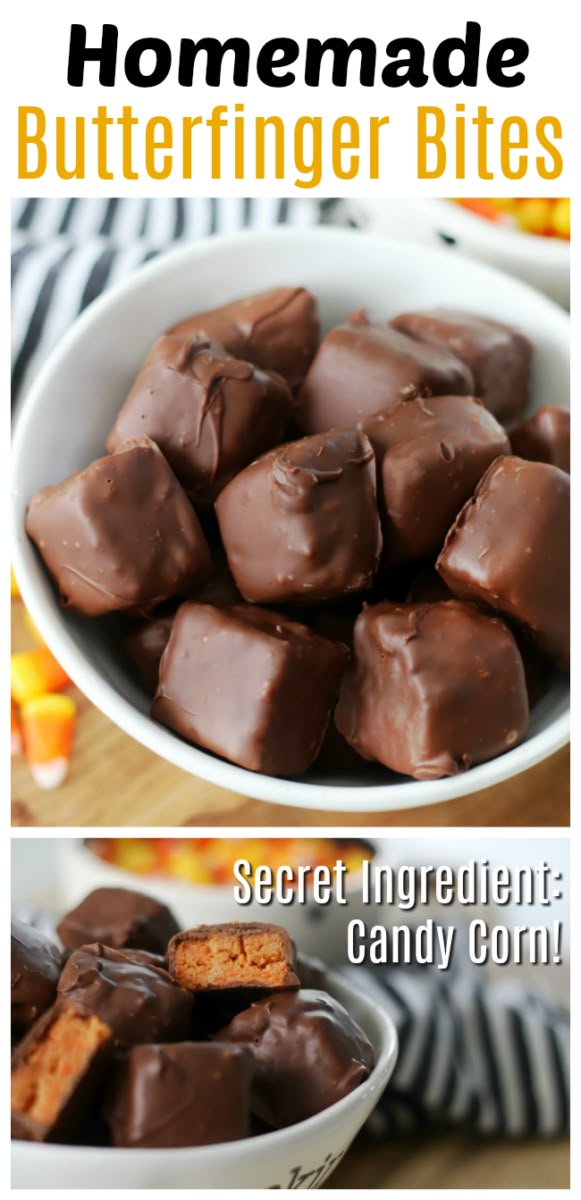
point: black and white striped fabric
(65, 252)
(476, 1050)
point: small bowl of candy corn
(528, 237)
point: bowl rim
(330, 796)
(342, 990)
(524, 245)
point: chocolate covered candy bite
(430, 455)
(144, 643)
(432, 689)
(238, 955)
(249, 685)
(498, 357)
(362, 367)
(300, 524)
(308, 1053)
(56, 1071)
(119, 918)
(277, 330)
(121, 534)
(187, 1094)
(509, 547)
(136, 1000)
(35, 966)
(545, 437)
(209, 413)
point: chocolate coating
(430, 455)
(300, 524)
(277, 330)
(249, 685)
(432, 689)
(35, 968)
(362, 367)
(208, 412)
(144, 644)
(119, 918)
(308, 1053)
(137, 1001)
(509, 547)
(186, 1094)
(121, 534)
(545, 437)
(499, 357)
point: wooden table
(454, 1160)
(115, 781)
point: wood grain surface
(454, 1160)
(113, 781)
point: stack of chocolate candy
(391, 586)
(137, 1034)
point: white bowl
(71, 406)
(311, 1149)
(541, 261)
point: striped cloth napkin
(66, 252)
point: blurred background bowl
(544, 262)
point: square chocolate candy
(277, 329)
(509, 547)
(545, 437)
(186, 1094)
(209, 413)
(430, 455)
(362, 367)
(433, 689)
(121, 534)
(300, 524)
(249, 685)
(499, 357)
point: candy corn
(32, 627)
(34, 672)
(47, 731)
(14, 592)
(15, 733)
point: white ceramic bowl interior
(73, 402)
(299, 1157)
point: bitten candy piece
(308, 1053)
(236, 955)
(137, 1001)
(362, 367)
(509, 547)
(119, 918)
(187, 1094)
(249, 685)
(432, 689)
(277, 329)
(545, 437)
(121, 534)
(430, 455)
(56, 1071)
(499, 357)
(35, 968)
(300, 524)
(209, 413)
